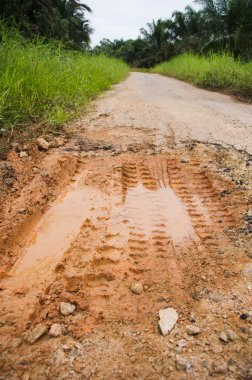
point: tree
(53, 19)
(158, 38)
(228, 26)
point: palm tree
(228, 25)
(53, 19)
(158, 37)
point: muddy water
(57, 229)
(148, 210)
(145, 210)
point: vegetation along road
(134, 226)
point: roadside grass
(42, 82)
(217, 72)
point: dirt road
(147, 206)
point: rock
(220, 367)
(247, 271)
(168, 319)
(42, 143)
(57, 142)
(56, 330)
(23, 154)
(137, 288)
(215, 345)
(182, 364)
(231, 335)
(16, 146)
(182, 343)
(67, 308)
(224, 337)
(36, 333)
(193, 330)
(184, 160)
(244, 316)
(17, 342)
(216, 297)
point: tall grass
(43, 82)
(218, 72)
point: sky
(115, 19)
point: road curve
(187, 112)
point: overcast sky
(115, 19)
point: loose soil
(139, 194)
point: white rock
(23, 154)
(193, 330)
(42, 143)
(223, 337)
(137, 288)
(168, 319)
(67, 308)
(184, 160)
(55, 330)
(182, 343)
(231, 335)
(182, 364)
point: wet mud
(132, 207)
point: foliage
(218, 26)
(62, 20)
(217, 71)
(43, 82)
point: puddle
(58, 228)
(150, 210)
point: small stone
(192, 318)
(36, 333)
(244, 316)
(247, 271)
(224, 337)
(168, 319)
(55, 330)
(193, 330)
(57, 142)
(182, 343)
(16, 146)
(232, 368)
(216, 297)
(17, 342)
(23, 154)
(231, 335)
(42, 143)
(67, 308)
(220, 367)
(137, 288)
(182, 364)
(215, 345)
(184, 160)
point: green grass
(217, 72)
(44, 82)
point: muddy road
(147, 206)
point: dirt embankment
(129, 217)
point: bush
(217, 72)
(44, 82)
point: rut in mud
(134, 207)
